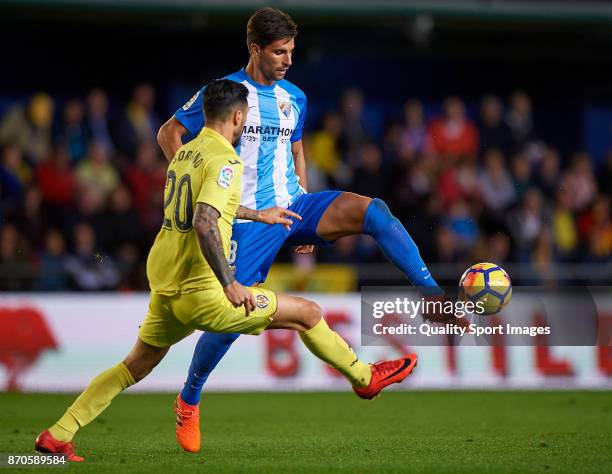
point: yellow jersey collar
(209, 132)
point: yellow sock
(328, 346)
(93, 401)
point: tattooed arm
(248, 214)
(209, 238)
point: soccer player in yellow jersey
(193, 287)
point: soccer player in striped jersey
(275, 175)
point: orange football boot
(385, 373)
(46, 443)
(187, 425)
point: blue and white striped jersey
(275, 120)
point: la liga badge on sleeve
(225, 177)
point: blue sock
(210, 349)
(397, 245)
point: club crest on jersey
(225, 177)
(285, 107)
(191, 101)
(262, 301)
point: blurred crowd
(468, 190)
(82, 184)
(81, 192)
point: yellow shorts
(172, 318)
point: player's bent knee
(381, 206)
(378, 218)
(312, 315)
(355, 207)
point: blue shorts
(255, 244)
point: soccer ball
(488, 286)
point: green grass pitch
(418, 431)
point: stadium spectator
(132, 275)
(494, 247)
(522, 175)
(30, 217)
(596, 229)
(498, 247)
(453, 135)
(325, 146)
(147, 176)
(542, 260)
(96, 170)
(526, 222)
(494, 132)
(141, 121)
(90, 206)
(56, 179)
(354, 131)
(87, 266)
(495, 182)
(317, 180)
(72, 131)
(391, 142)
(581, 181)
(15, 270)
(549, 173)
(324, 152)
(520, 121)
(370, 176)
(413, 136)
(447, 245)
(564, 231)
(30, 128)
(98, 119)
(52, 273)
(458, 182)
(463, 225)
(14, 175)
(411, 183)
(120, 222)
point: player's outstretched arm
(206, 228)
(169, 137)
(272, 215)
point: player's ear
(237, 117)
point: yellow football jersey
(206, 170)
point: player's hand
(278, 215)
(304, 249)
(239, 295)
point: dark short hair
(269, 24)
(221, 97)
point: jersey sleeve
(220, 180)
(191, 114)
(299, 128)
